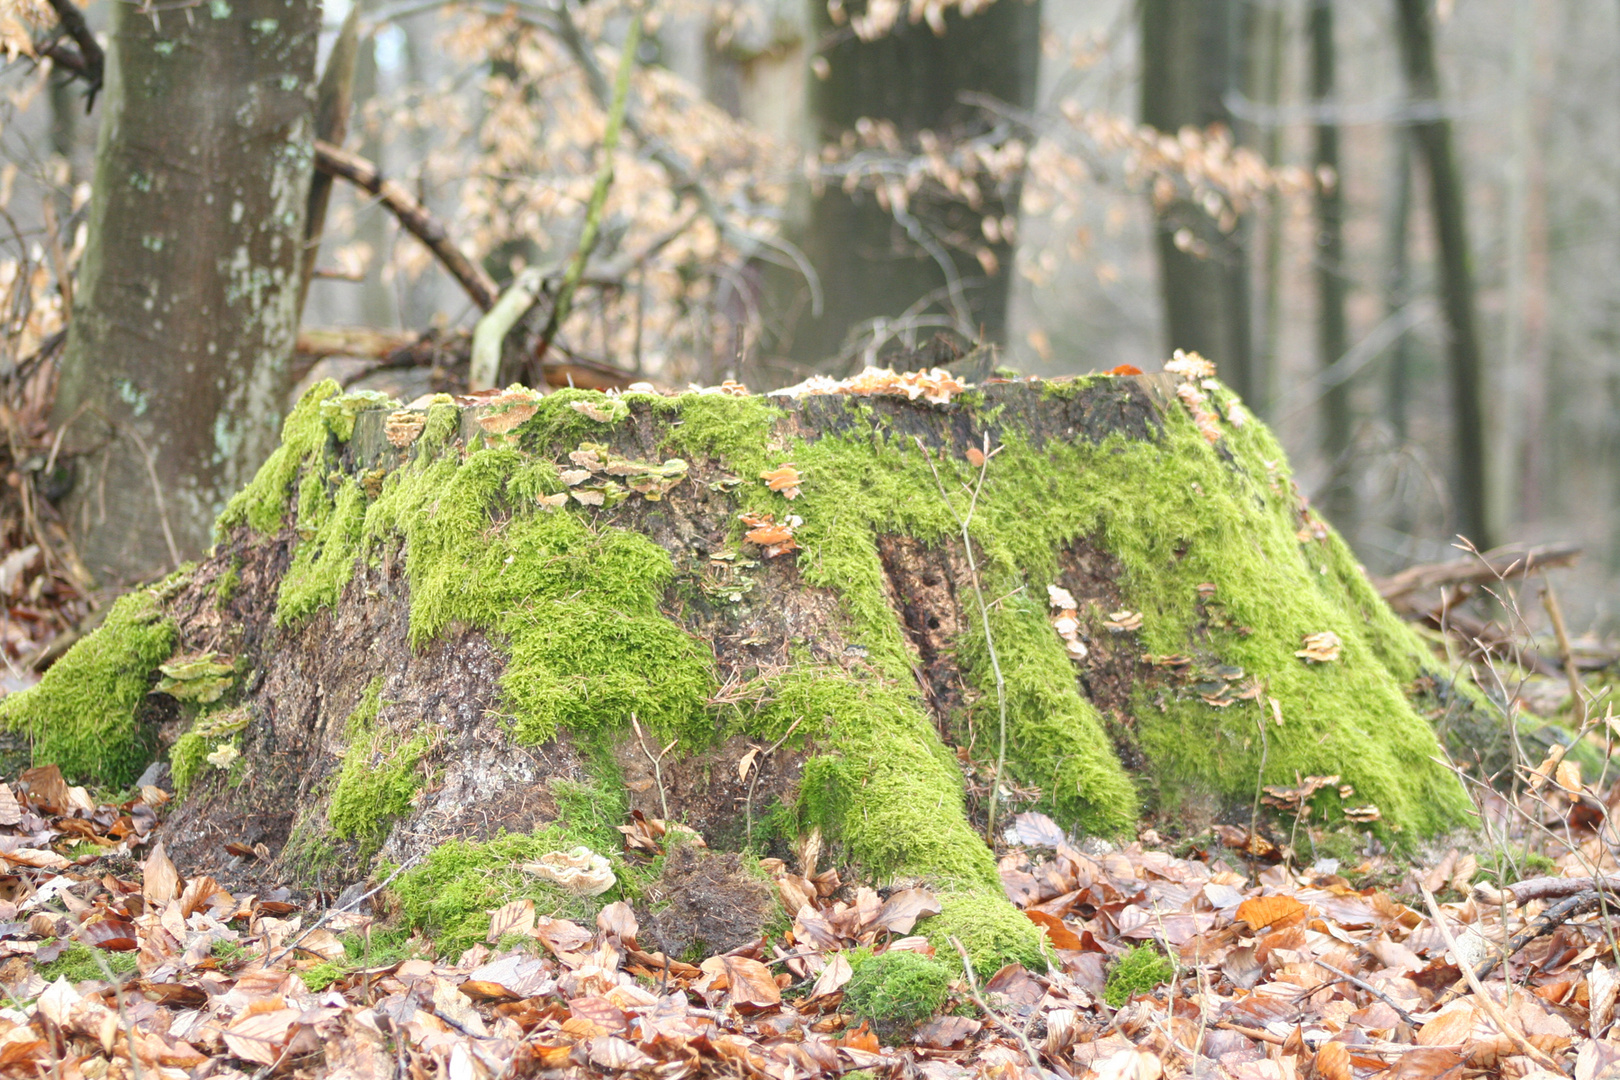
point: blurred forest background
(1394, 227)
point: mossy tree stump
(478, 633)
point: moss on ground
(1136, 972)
(379, 775)
(79, 962)
(896, 990)
(450, 894)
(81, 714)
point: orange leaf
(1125, 369)
(1333, 1062)
(1061, 936)
(1262, 911)
(975, 456)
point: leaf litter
(1256, 967)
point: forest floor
(1225, 957)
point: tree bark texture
(175, 370)
(872, 262)
(513, 623)
(1332, 332)
(1431, 134)
(1191, 58)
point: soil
(706, 903)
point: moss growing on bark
(305, 439)
(379, 775)
(82, 714)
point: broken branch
(90, 62)
(413, 216)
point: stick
(1373, 990)
(1577, 698)
(1486, 1002)
(973, 992)
(490, 333)
(1544, 923)
(1550, 888)
(413, 216)
(604, 181)
(1500, 564)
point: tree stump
(842, 629)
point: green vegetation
(305, 435)
(379, 774)
(209, 732)
(1137, 972)
(450, 894)
(81, 715)
(1502, 866)
(895, 990)
(79, 962)
(378, 948)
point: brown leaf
(748, 981)
(859, 1039)
(1060, 936)
(10, 809)
(1263, 911)
(260, 1036)
(617, 919)
(160, 881)
(903, 908)
(833, 976)
(516, 917)
(1332, 1062)
(946, 1032)
(45, 785)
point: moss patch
(305, 434)
(896, 990)
(81, 715)
(379, 774)
(1136, 972)
(450, 894)
(79, 962)
(208, 734)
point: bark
(1332, 334)
(1431, 133)
(421, 626)
(1191, 58)
(1398, 288)
(870, 264)
(175, 369)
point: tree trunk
(872, 262)
(1431, 132)
(1332, 334)
(421, 627)
(175, 370)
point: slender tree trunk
(873, 264)
(1332, 334)
(1189, 55)
(174, 376)
(1508, 418)
(1398, 285)
(1431, 131)
(1271, 30)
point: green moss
(1137, 972)
(324, 561)
(81, 715)
(378, 948)
(895, 990)
(1505, 865)
(226, 585)
(188, 757)
(450, 894)
(305, 439)
(379, 774)
(79, 962)
(577, 605)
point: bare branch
(90, 62)
(416, 218)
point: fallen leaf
(160, 881)
(516, 917)
(1263, 911)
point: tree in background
(1191, 52)
(175, 372)
(1332, 334)
(887, 253)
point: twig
(984, 615)
(1544, 923)
(1577, 690)
(413, 216)
(973, 992)
(748, 805)
(1499, 564)
(1486, 1002)
(327, 916)
(1549, 888)
(91, 59)
(1371, 989)
(599, 193)
(657, 763)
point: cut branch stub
(451, 633)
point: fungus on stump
(474, 634)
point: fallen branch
(1486, 1002)
(1500, 564)
(413, 216)
(1371, 989)
(1545, 923)
(1552, 888)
